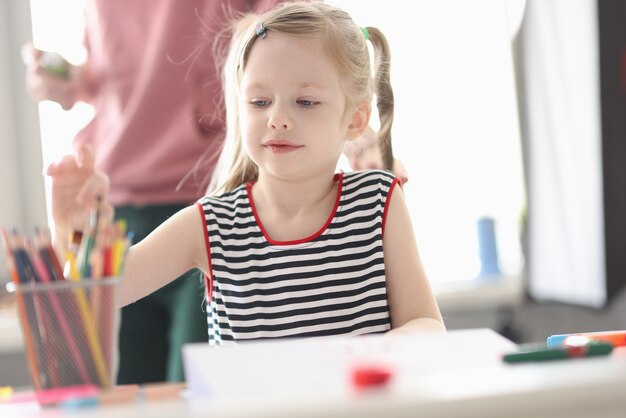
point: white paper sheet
(325, 365)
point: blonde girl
(290, 248)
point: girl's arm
(173, 248)
(411, 301)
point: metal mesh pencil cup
(70, 331)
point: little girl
(289, 247)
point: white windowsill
(477, 294)
(11, 340)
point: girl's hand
(76, 188)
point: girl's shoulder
(368, 185)
(232, 198)
(360, 178)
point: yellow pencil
(92, 335)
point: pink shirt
(159, 116)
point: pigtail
(384, 93)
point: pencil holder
(70, 331)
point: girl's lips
(281, 147)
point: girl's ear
(360, 120)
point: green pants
(154, 328)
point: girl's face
(293, 112)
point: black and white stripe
(333, 284)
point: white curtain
(561, 72)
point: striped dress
(331, 283)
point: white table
(480, 387)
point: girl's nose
(280, 121)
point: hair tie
(366, 34)
(261, 30)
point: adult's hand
(43, 84)
(364, 154)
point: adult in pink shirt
(152, 77)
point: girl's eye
(259, 102)
(307, 103)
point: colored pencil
(71, 337)
(31, 352)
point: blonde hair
(347, 46)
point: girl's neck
(292, 210)
(292, 196)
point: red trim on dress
(338, 177)
(208, 280)
(391, 189)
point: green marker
(541, 352)
(55, 64)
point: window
(59, 29)
(456, 126)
